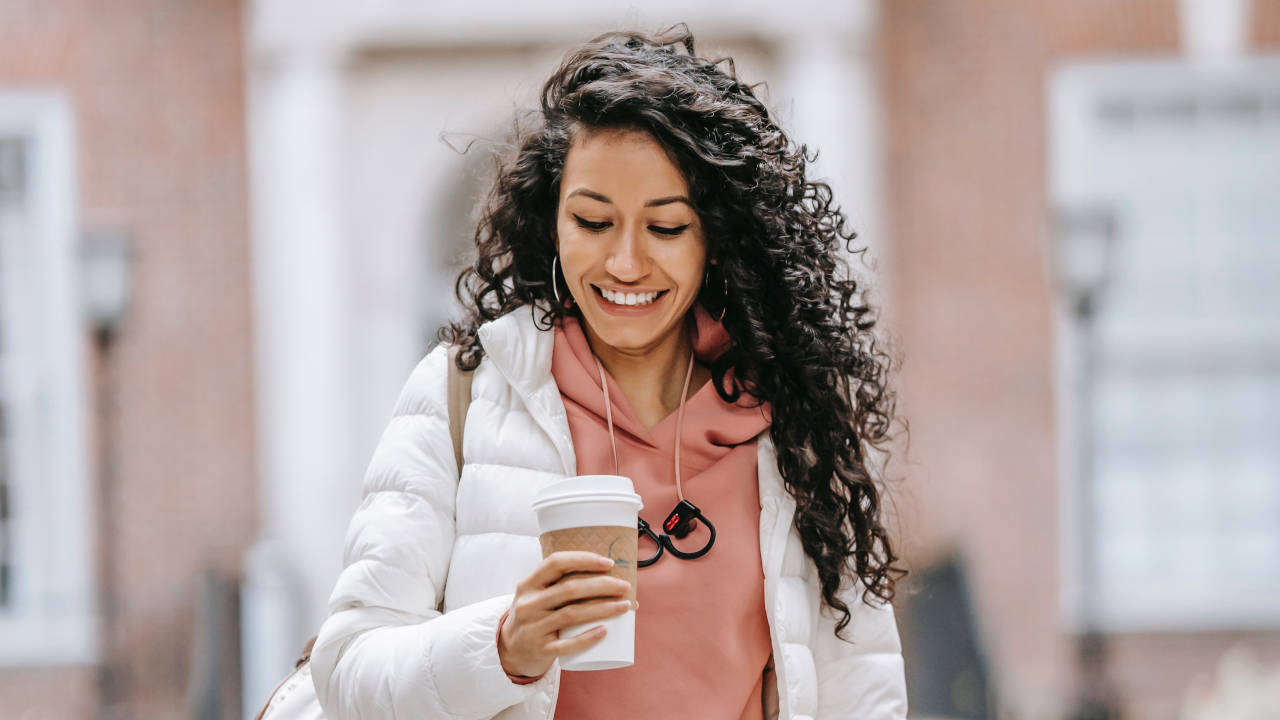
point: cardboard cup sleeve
(615, 542)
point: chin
(639, 337)
(626, 340)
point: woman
(657, 295)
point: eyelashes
(593, 227)
(600, 227)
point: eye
(593, 227)
(600, 227)
(668, 231)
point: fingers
(535, 644)
(574, 589)
(577, 643)
(562, 562)
(579, 613)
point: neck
(651, 378)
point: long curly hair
(802, 334)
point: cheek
(687, 268)
(576, 259)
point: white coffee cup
(603, 502)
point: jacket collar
(521, 353)
(520, 349)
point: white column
(1214, 31)
(836, 108)
(303, 326)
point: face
(630, 243)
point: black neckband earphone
(682, 521)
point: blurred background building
(229, 230)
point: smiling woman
(660, 293)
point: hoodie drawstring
(608, 413)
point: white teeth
(629, 298)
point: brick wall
(158, 95)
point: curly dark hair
(802, 333)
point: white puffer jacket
(431, 562)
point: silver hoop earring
(555, 289)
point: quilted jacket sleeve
(385, 650)
(863, 679)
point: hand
(569, 587)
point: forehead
(628, 166)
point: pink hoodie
(702, 638)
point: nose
(628, 259)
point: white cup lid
(604, 487)
(589, 483)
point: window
(1185, 427)
(46, 591)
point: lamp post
(1082, 238)
(106, 284)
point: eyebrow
(652, 203)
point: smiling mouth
(619, 299)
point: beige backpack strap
(459, 401)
